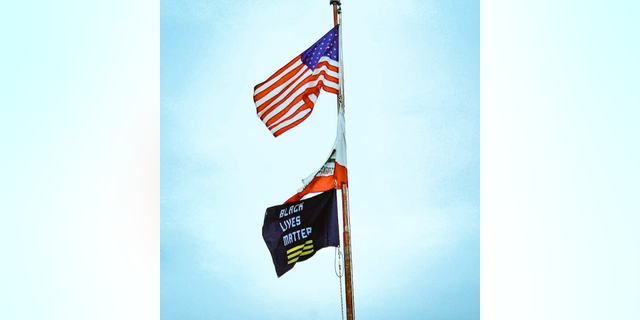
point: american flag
(287, 98)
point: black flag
(294, 231)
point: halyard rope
(338, 271)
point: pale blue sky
(412, 118)
(80, 163)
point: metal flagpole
(337, 19)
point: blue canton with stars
(326, 46)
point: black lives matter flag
(294, 231)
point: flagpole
(337, 19)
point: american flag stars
(326, 46)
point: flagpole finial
(336, 10)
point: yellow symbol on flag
(296, 252)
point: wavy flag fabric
(294, 232)
(333, 174)
(287, 98)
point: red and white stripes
(287, 98)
